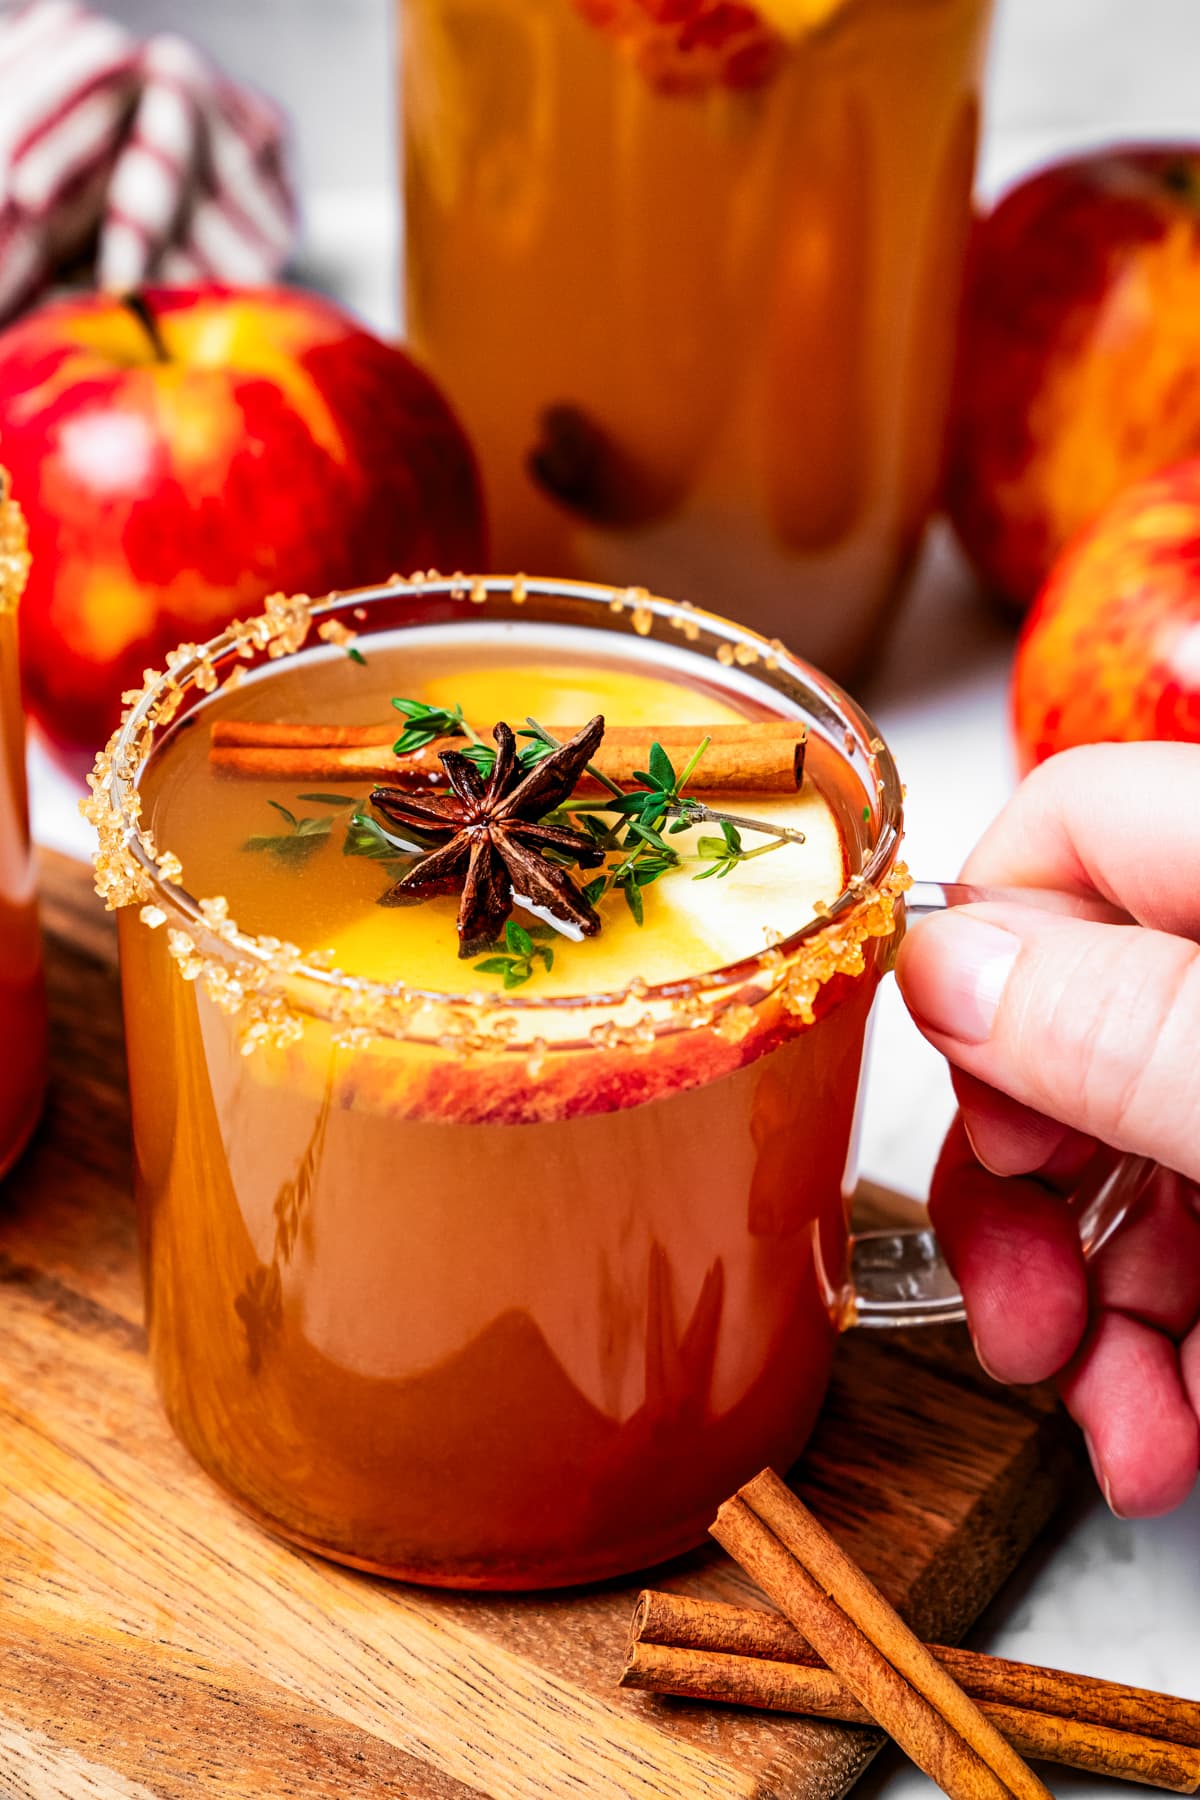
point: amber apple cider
(466, 1313)
(700, 334)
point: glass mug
(698, 320)
(505, 1292)
(22, 995)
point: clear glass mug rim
(822, 702)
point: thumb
(1094, 1025)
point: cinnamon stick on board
(861, 1638)
(760, 757)
(705, 1650)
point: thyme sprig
(632, 826)
(513, 957)
(649, 809)
(365, 836)
(295, 845)
(659, 805)
(428, 722)
(727, 849)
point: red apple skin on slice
(1111, 650)
(689, 46)
(1079, 357)
(276, 445)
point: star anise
(496, 839)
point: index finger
(1118, 820)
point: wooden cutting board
(155, 1643)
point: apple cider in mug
(492, 1110)
(22, 1001)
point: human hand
(1067, 1034)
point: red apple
(1111, 650)
(1079, 362)
(182, 455)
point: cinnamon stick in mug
(762, 756)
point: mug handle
(900, 1278)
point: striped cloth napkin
(139, 153)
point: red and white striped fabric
(141, 153)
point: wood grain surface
(155, 1643)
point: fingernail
(982, 1360)
(1020, 1143)
(956, 971)
(1101, 1477)
(977, 1136)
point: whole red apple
(184, 453)
(1111, 649)
(1079, 360)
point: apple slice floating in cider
(688, 46)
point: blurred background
(1062, 74)
(1059, 78)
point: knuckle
(1161, 1084)
(1117, 1047)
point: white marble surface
(1113, 1598)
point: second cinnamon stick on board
(705, 1650)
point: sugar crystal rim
(14, 548)
(132, 869)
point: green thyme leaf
(366, 837)
(518, 940)
(540, 746)
(329, 799)
(295, 846)
(630, 805)
(286, 848)
(650, 836)
(646, 872)
(414, 737)
(662, 770)
(356, 656)
(515, 956)
(425, 724)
